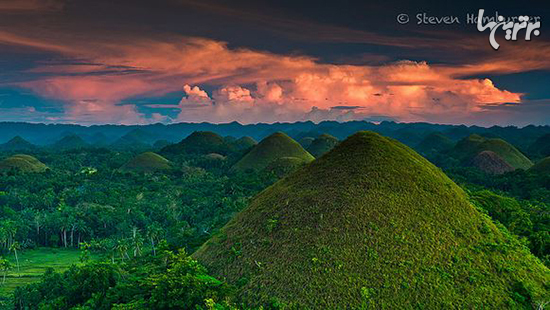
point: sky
(142, 62)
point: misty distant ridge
(408, 133)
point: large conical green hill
(469, 147)
(372, 225)
(147, 162)
(269, 149)
(322, 144)
(23, 163)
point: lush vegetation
(127, 217)
(29, 266)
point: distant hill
(435, 142)
(244, 143)
(70, 142)
(134, 140)
(322, 144)
(305, 142)
(18, 144)
(467, 148)
(160, 144)
(490, 162)
(200, 142)
(541, 146)
(98, 139)
(147, 162)
(269, 149)
(372, 224)
(543, 166)
(23, 163)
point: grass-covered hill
(467, 148)
(543, 166)
(372, 224)
(69, 142)
(147, 162)
(490, 162)
(322, 144)
(244, 143)
(269, 149)
(200, 142)
(434, 142)
(284, 165)
(23, 163)
(541, 147)
(136, 139)
(305, 142)
(17, 144)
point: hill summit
(70, 142)
(147, 162)
(269, 149)
(434, 143)
(490, 162)
(541, 146)
(200, 143)
(542, 167)
(322, 144)
(23, 163)
(467, 148)
(17, 144)
(244, 143)
(372, 224)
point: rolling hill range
(147, 162)
(23, 163)
(467, 148)
(372, 224)
(322, 144)
(269, 149)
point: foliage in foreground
(170, 280)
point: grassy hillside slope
(372, 224)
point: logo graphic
(512, 27)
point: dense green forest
(136, 212)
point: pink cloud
(252, 86)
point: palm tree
(154, 231)
(137, 241)
(13, 248)
(5, 267)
